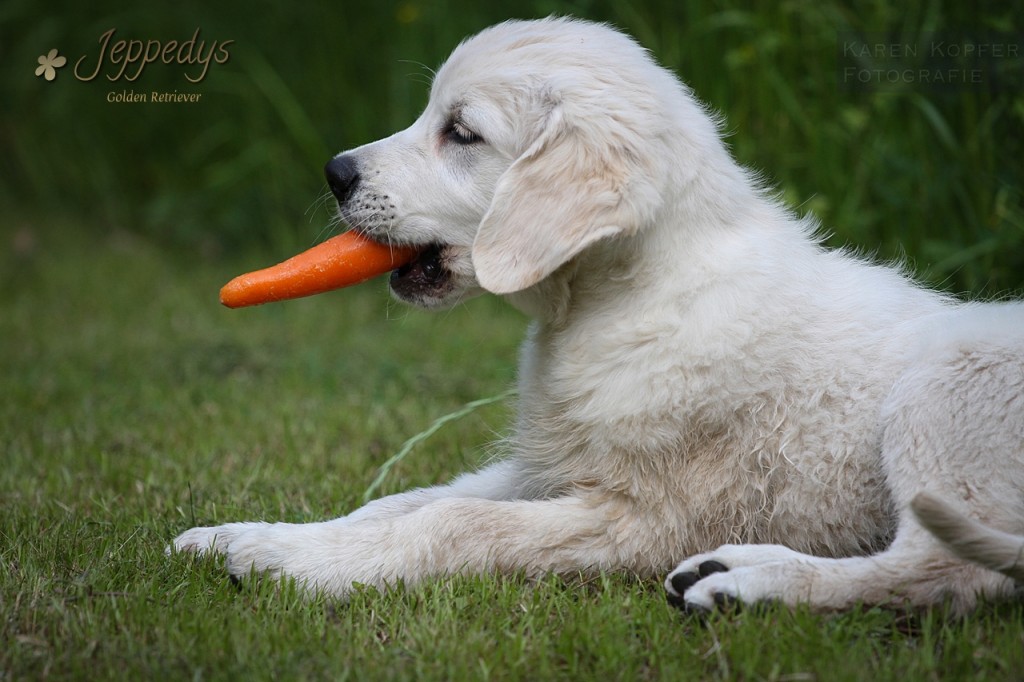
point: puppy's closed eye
(457, 132)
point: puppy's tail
(969, 539)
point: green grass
(135, 406)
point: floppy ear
(571, 188)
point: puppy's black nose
(342, 176)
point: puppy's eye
(459, 134)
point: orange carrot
(341, 261)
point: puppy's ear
(571, 188)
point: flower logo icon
(49, 63)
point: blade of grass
(407, 447)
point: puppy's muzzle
(424, 280)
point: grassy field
(132, 406)
(135, 407)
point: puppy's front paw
(271, 549)
(313, 554)
(208, 539)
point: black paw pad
(676, 600)
(681, 582)
(709, 567)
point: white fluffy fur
(701, 373)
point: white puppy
(700, 370)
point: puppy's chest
(756, 478)
(748, 451)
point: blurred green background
(927, 174)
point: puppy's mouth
(423, 277)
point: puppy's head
(539, 139)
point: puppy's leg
(915, 570)
(953, 428)
(498, 481)
(447, 536)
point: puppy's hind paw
(679, 582)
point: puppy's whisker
(429, 78)
(322, 201)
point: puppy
(702, 379)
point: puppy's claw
(726, 602)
